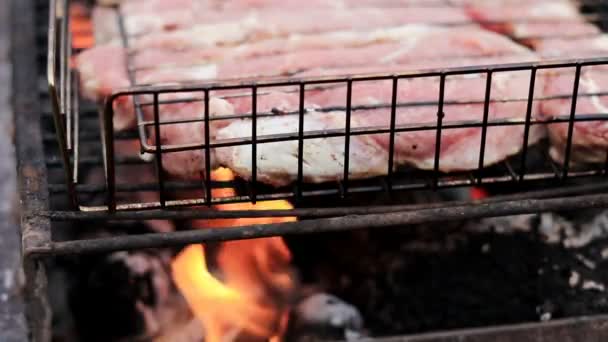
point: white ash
(503, 225)
(545, 311)
(592, 285)
(596, 228)
(604, 253)
(545, 317)
(323, 310)
(326, 309)
(574, 279)
(553, 228)
(588, 263)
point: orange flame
(81, 27)
(257, 281)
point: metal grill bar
(336, 224)
(300, 180)
(159, 157)
(207, 183)
(524, 153)
(484, 126)
(439, 127)
(577, 77)
(567, 191)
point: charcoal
(447, 276)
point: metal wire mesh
(75, 135)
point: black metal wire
(391, 146)
(159, 156)
(207, 181)
(300, 180)
(577, 77)
(484, 126)
(257, 88)
(347, 131)
(440, 116)
(524, 152)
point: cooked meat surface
(528, 21)
(589, 138)
(197, 41)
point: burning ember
(252, 297)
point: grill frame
(36, 216)
(66, 118)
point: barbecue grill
(56, 133)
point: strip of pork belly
(530, 21)
(102, 69)
(324, 157)
(420, 42)
(279, 23)
(590, 138)
(420, 45)
(155, 6)
(165, 56)
(94, 63)
(189, 164)
(273, 21)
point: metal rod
(326, 109)
(440, 116)
(332, 133)
(300, 180)
(484, 126)
(346, 223)
(76, 109)
(207, 181)
(581, 328)
(254, 143)
(524, 152)
(56, 105)
(577, 77)
(392, 135)
(347, 131)
(316, 212)
(108, 128)
(159, 157)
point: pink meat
(323, 158)
(590, 138)
(328, 15)
(102, 69)
(235, 28)
(150, 58)
(277, 162)
(533, 20)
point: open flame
(250, 302)
(81, 27)
(252, 298)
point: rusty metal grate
(68, 113)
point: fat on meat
(412, 148)
(323, 158)
(166, 56)
(589, 138)
(103, 70)
(143, 17)
(532, 20)
(212, 28)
